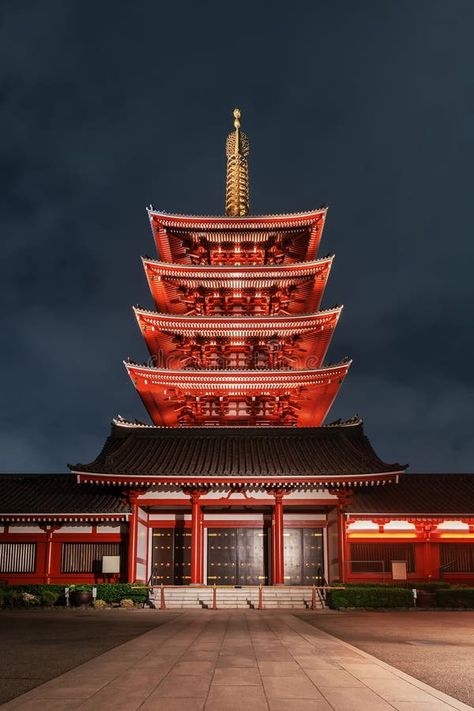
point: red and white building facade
(237, 480)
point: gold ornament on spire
(237, 181)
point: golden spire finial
(237, 183)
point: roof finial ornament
(237, 183)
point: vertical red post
(132, 537)
(49, 530)
(162, 597)
(196, 539)
(278, 541)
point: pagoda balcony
(275, 342)
(178, 235)
(259, 290)
(239, 398)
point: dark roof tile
(237, 451)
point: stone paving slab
(231, 660)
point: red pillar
(278, 541)
(196, 539)
(49, 530)
(132, 538)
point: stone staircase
(245, 597)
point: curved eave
(203, 222)
(235, 325)
(205, 272)
(289, 482)
(233, 380)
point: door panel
(162, 556)
(304, 555)
(251, 556)
(222, 556)
(171, 556)
(237, 556)
(293, 556)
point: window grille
(377, 557)
(87, 557)
(17, 557)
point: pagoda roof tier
(238, 230)
(165, 280)
(303, 397)
(310, 333)
(222, 222)
(308, 457)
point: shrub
(48, 598)
(431, 587)
(126, 602)
(455, 597)
(370, 597)
(99, 604)
(115, 592)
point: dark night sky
(366, 106)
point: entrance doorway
(171, 556)
(304, 555)
(237, 556)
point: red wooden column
(278, 541)
(49, 530)
(344, 498)
(132, 537)
(196, 539)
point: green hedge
(48, 595)
(370, 597)
(455, 597)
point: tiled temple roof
(418, 493)
(56, 494)
(136, 450)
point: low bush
(431, 587)
(126, 602)
(370, 597)
(115, 592)
(455, 597)
(48, 598)
(99, 604)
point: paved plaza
(235, 660)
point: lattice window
(377, 557)
(87, 557)
(457, 557)
(17, 557)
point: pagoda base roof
(320, 457)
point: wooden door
(222, 556)
(252, 558)
(304, 555)
(162, 558)
(237, 556)
(293, 556)
(171, 556)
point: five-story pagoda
(237, 337)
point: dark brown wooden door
(237, 556)
(171, 556)
(162, 559)
(304, 555)
(222, 556)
